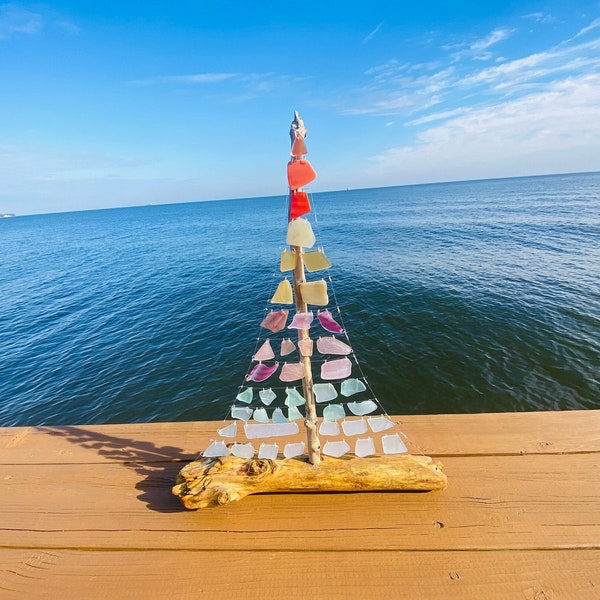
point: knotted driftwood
(219, 481)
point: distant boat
(6, 215)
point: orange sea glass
(300, 172)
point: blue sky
(125, 103)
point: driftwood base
(219, 481)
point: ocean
(465, 297)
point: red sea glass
(299, 204)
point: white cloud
(371, 35)
(16, 20)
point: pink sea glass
(265, 352)
(331, 345)
(301, 320)
(336, 369)
(306, 347)
(260, 372)
(275, 320)
(291, 372)
(328, 322)
(287, 346)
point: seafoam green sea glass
(336, 449)
(379, 423)
(265, 352)
(333, 412)
(324, 392)
(287, 347)
(354, 427)
(392, 444)
(352, 386)
(278, 416)
(217, 448)
(365, 407)
(229, 431)
(315, 261)
(292, 372)
(329, 428)
(245, 395)
(364, 447)
(255, 431)
(294, 413)
(300, 233)
(293, 449)
(294, 397)
(243, 450)
(339, 368)
(241, 412)
(268, 451)
(260, 415)
(267, 396)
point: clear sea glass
(260, 415)
(392, 444)
(324, 392)
(365, 407)
(364, 447)
(293, 449)
(264, 430)
(352, 386)
(379, 423)
(336, 449)
(268, 451)
(241, 412)
(354, 427)
(329, 428)
(267, 396)
(217, 448)
(243, 450)
(228, 431)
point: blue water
(458, 297)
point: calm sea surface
(459, 297)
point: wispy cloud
(17, 20)
(371, 35)
(193, 79)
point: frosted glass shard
(293, 449)
(314, 292)
(352, 386)
(291, 372)
(264, 430)
(243, 450)
(278, 416)
(260, 415)
(288, 261)
(294, 397)
(241, 412)
(328, 323)
(216, 449)
(301, 320)
(380, 423)
(329, 428)
(392, 444)
(336, 369)
(275, 320)
(268, 451)
(294, 413)
(229, 431)
(306, 347)
(331, 345)
(362, 408)
(324, 392)
(364, 447)
(298, 146)
(315, 261)
(265, 352)
(283, 293)
(287, 347)
(246, 395)
(300, 233)
(336, 449)
(354, 427)
(300, 173)
(333, 412)
(260, 372)
(267, 396)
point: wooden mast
(297, 130)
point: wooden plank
(531, 575)
(493, 502)
(437, 435)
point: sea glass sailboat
(304, 371)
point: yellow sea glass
(288, 261)
(315, 292)
(300, 233)
(315, 261)
(283, 293)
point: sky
(106, 104)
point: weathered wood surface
(87, 512)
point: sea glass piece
(255, 431)
(243, 450)
(298, 146)
(339, 368)
(261, 371)
(265, 352)
(300, 233)
(218, 448)
(329, 428)
(293, 449)
(246, 395)
(294, 397)
(331, 345)
(365, 407)
(314, 292)
(299, 204)
(328, 323)
(333, 412)
(392, 444)
(268, 451)
(278, 416)
(306, 347)
(287, 347)
(364, 447)
(315, 260)
(241, 412)
(267, 396)
(291, 372)
(300, 173)
(379, 423)
(283, 293)
(294, 413)
(301, 320)
(352, 386)
(354, 427)
(260, 415)
(336, 449)
(229, 431)
(275, 320)
(324, 392)
(288, 261)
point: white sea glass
(288, 261)
(267, 396)
(315, 261)
(352, 386)
(364, 447)
(300, 233)
(283, 293)
(265, 430)
(333, 412)
(329, 428)
(291, 372)
(293, 449)
(314, 292)
(278, 416)
(354, 427)
(306, 347)
(379, 423)
(392, 444)
(336, 449)
(294, 413)
(336, 369)
(265, 352)
(243, 450)
(287, 346)
(245, 395)
(294, 397)
(217, 448)
(331, 345)
(260, 415)
(324, 392)
(241, 412)
(301, 320)
(362, 408)
(228, 431)
(268, 451)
